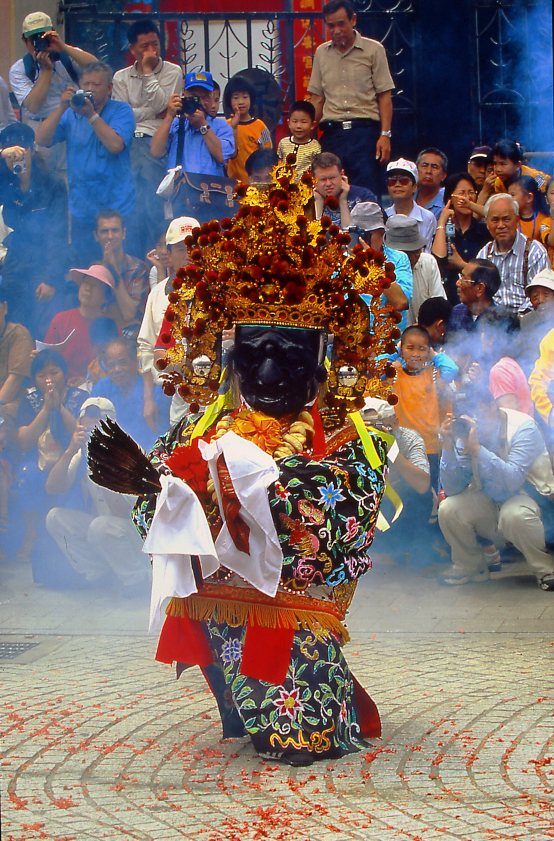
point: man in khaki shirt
(147, 86)
(351, 89)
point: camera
(41, 45)
(39, 42)
(190, 104)
(19, 168)
(80, 98)
(461, 427)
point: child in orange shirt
(528, 196)
(423, 397)
(250, 133)
(547, 231)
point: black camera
(80, 98)
(190, 104)
(39, 42)
(41, 45)
(461, 427)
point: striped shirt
(510, 264)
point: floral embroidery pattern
(288, 703)
(231, 651)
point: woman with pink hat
(70, 329)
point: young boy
(216, 96)
(250, 133)
(423, 397)
(301, 143)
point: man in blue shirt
(124, 388)
(498, 479)
(208, 141)
(98, 133)
(368, 217)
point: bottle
(450, 233)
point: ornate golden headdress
(272, 265)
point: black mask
(278, 367)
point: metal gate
(466, 71)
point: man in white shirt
(402, 180)
(40, 77)
(147, 86)
(156, 305)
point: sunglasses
(403, 180)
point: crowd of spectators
(102, 180)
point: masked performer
(259, 513)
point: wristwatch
(387, 133)
(204, 129)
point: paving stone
(98, 741)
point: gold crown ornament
(272, 264)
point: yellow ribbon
(375, 461)
(224, 401)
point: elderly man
(477, 284)
(350, 87)
(98, 133)
(498, 478)
(147, 86)
(517, 258)
(402, 181)
(331, 181)
(432, 168)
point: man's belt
(142, 134)
(346, 125)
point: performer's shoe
(296, 758)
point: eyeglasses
(323, 178)
(465, 279)
(403, 180)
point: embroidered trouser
(312, 710)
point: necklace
(277, 439)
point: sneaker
(547, 583)
(455, 575)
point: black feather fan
(116, 462)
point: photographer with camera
(40, 77)
(189, 134)
(498, 479)
(35, 208)
(98, 132)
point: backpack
(31, 67)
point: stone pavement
(99, 742)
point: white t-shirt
(22, 86)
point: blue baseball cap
(202, 79)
